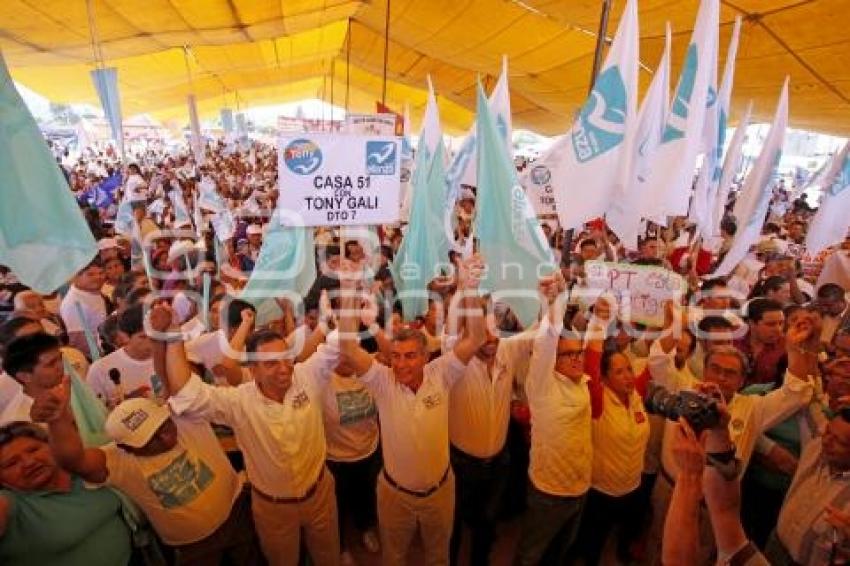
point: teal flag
(44, 238)
(510, 239)
(88, 410)
(286, 263)
(425, 245)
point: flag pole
(347, 64)
(386, 54)
(597, 62)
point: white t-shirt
(187, 492)
(207, 349)
(133, 375)
(14, 404)
(136, 188)
(192, 328)
(351, 419)
(93, 306)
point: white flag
(673, 171)
(462, 170)
(832, 220)
(759, 182)
(596, 165)
(705, 195)
(731, 168)
(624, 214)
(196, 143)
(430, 135)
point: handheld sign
(537, 182)
(332, 180)
(641, 290)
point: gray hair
(729, 351)
(406, 334)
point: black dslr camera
(699, 410)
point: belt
(307, 495)
(461, 455)
(414, 493)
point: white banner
(536, 180)
(328, 179)
(640, 290)
(371, 124)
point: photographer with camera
(724, 375)
(700, 479)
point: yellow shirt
(620, 436)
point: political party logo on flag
(601, 124)
(540, 175)
(681, 105)
(302, 156)
(380, 157)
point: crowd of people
(151, 414)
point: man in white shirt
(416, 487)
(725, 371)
(561, 456)
(277, 422)
(84, 307)
(479, 412)
(129, 371)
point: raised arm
(798, 388)
(177, 369)
(680, 541)
(53, 407)
(545, 346)
(595, 340)
(349, 322)
(229, 366)
(471, 311)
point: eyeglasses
(725, 373)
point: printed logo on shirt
(640, 418)
(433, 400)
(354, 406)
(300, 400)
(181, 481)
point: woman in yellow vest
(620, 436)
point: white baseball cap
(134, 422)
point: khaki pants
(401, 514)
(279, 527)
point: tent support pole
(347, 64)
(386, 54)
(600, 40)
